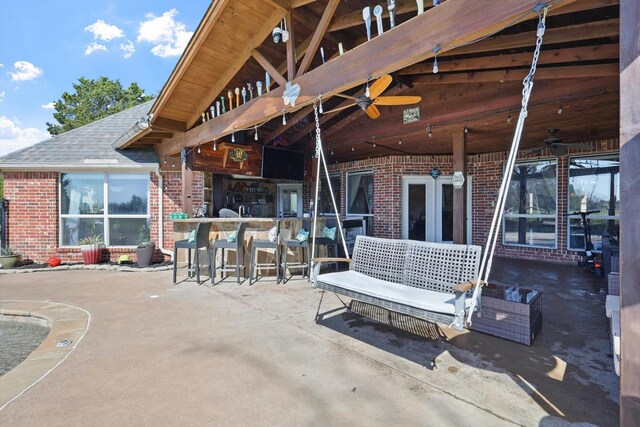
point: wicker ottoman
(510, 312)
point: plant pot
(91, 253)
(10, 261)
(144, 256)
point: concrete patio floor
(254, 355)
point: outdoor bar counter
(257, 228)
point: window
(326, 206)
(531, 207)
(115, 206)
(594, 185)
(360, 193)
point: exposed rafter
(384, 54)
(317, 36)
(291, 48)
(264, 62)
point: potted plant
(144, 253)
(91, 248)
(10, 258)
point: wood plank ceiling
(478, 85)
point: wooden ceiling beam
(157, 134)
(354, 19)
(244, 52)
(288, 4)
(291, 48)
(264, 63)
(452, 23)
(570, 72)
(555, 56)
(569, 33)
(474, 106)
(321, 29)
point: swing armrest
(466, 286)
(319, 260)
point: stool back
(202, 234)
(240, 234)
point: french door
(289, 200)
(427, 208)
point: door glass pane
(417, 215)
(290, 203)
(82, 193)
(447, 213)
(75, 229)
(128, 194)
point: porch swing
(436, 282)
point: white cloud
(168, 36)
(13, 137)
(103, 31)
(25, 70)
(1, 96)
(49, 106)
(128, 48)
(94, 47)
(1, 65)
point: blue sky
(46, 45)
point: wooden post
(629, 208)
(187, 184)
(460, 195)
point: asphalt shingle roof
(90, 142)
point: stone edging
(108, 267)
(67, 323)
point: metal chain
(494, 230)
(315, 112)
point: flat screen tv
(278, 163)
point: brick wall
(487, 171)
(33, 221)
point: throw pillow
(302, 235)
(232, 237)
(192, 236)
(329, 233)
(273, 234)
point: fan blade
(577, 146)
(372, 111)
(341, 95)
(377, 87)
(397, 100)
(339, 108)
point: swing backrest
(440, 266)
(433, 266)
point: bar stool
(265, 244)
(294, 244)
(236, 245)
(201, 241)
(330, 244)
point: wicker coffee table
(510, 312)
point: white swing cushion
(439, 302)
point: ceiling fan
(368, 102)
(557, 147)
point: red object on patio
(53, 261)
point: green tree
(92, 100)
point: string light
(199, 151)
(560, 109)
(320, 109)
(284, 118)
(173, 165)
(255, 136)
(215, 145)
(429, 129)
(374, 145)
(367, 93)
(233, 136)
(400, 141)
(165, 160)
(466, 129)
(332, 151)
(353, 149)
(435, 59)
(509, 116)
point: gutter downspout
(161, 215)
